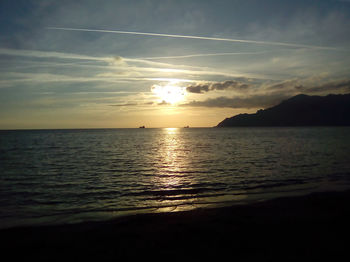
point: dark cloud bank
(231, 84)
(238, 102)
(274, 93)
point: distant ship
(142, 127)
(186, 127)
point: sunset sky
(106, 64)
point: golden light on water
(170, 152)
(171, 176)
(172, 163)
(174, 177)
(170, 93)
(171, 130)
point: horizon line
(97, 128)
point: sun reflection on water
(172, 177)
(171, 159)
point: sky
(165, 63)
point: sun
(170, 93)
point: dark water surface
(65, 176)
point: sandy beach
(285, 229)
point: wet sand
(308, 227)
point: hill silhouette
(300, 110)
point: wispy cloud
(341, 86)
(295, 45)
(127, 104)
(114, 68)
(43, 54)
(87, 59)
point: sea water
(68, 176)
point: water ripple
(48, 173)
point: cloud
(269, 95)
(48, 54)
(198, 89)
(127, 104)
(255, 101)
(311, 85)
(117, 60)
(230, 84)
(93, 68)
(287, 84)
(334, 86)
(133, 104)
(164, 103)
(264, 97)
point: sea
(50, 177)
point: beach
(311, 227)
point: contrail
(194, 37)
(201, 55)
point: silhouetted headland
(300, 110)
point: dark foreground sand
(307, 228)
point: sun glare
(169, 93)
